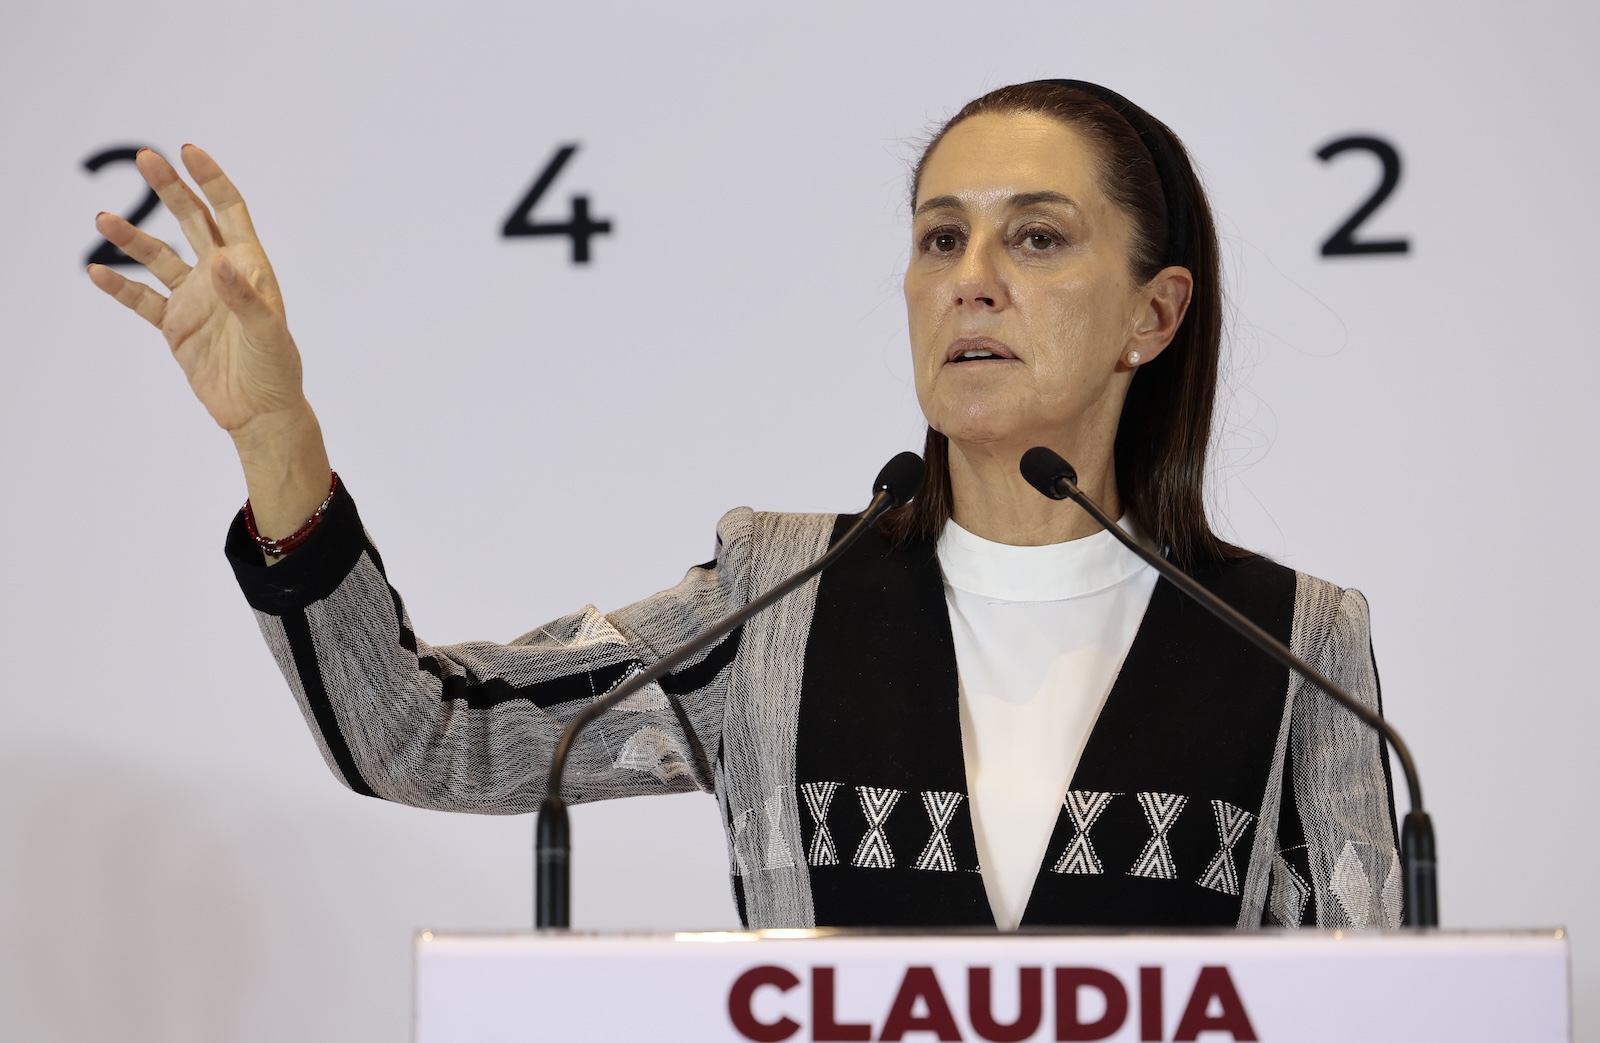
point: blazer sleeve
(471, 727)
(1338, 864)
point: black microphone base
(1420, 866)
(552, 866)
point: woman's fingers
(138, 297)
(149, 251)
(192, 215)
(232, 217)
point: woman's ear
(1162, 304)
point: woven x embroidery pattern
(874, 852)
(819, 795)
(1161, 810)
(1286, 902)
(777, 854)
(1222, 874)
(1084, 806)
(741, 822)
(941, 808)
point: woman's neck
(991, 498)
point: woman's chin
(984, 434)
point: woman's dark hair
(1165, 428)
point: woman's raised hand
(224, 320)
(225, 325)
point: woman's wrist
(278, 436)
(286, 469)
(279, 547)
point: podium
(1303, 986)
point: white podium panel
(1301, 986)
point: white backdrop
(176, 863)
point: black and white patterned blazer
(1214, 789)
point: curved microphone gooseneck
(897, 483)
(1055, 478)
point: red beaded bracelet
(279, 547)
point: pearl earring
(1133, 358)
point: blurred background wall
(176, 863)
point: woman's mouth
(969, 350)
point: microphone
(1047, 472)
(895, 485)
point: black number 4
(580, 226)
(1343, 241)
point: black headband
(1174, 185)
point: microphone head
(1044, 470)
(901, 478)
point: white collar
(1054, 572)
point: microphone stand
(1054, 477)
(897, 483)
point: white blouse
(1040, 635)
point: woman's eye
(1038, 240)
(943, 242)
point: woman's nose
(978, 282)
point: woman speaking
(988, 711)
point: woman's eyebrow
(1020, 201)
(940, 203)
(1027, 199)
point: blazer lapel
(878, 761)
(1159, 818)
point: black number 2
(1343, 241)
(105, 253)
(580, 226)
